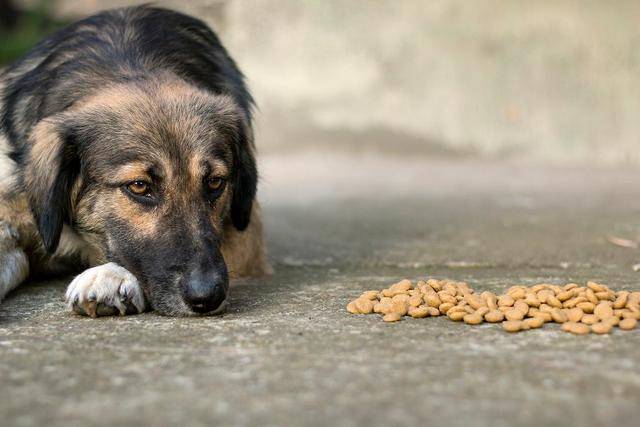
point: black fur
(118, 46)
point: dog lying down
(126, 148)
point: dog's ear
(245, 179)
(51, 167)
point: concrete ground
(287, 353)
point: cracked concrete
(287, 353)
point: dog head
(150, 172)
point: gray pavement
(287, 353)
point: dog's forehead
(168, 125)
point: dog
(127, 150)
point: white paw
(104, 291)
(14, 264)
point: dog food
(579, 309)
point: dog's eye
(215, 184)
(139, 188)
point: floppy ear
(50, 169)
(245, 180)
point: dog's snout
(206, 292)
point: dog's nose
(205, 293)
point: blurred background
(553, 81)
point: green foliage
(32, 25)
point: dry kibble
(621, 300)
(472, 319)
(586, 306)
(445, 297)
(565, 295)
(505, 301)
(494, 316)
(433, 311)
(365, 306)
(554, 302)
(418, 312)
(517, 293)
(595, 287)
(482, 311)
(589, 319)
(558, 316)
(514, 314)
(392, 317)
(627, 324)
(512, 325)
(352, 308)
(444, 307)
(580, 310)
(415, 301)
(602, 327)
(370, 295)
(576, 328)
(534, 322)
(456, 316)
(603, 311)
(574, 314)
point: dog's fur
(130, 95)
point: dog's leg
(105, 290)
(14, 264)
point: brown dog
(126, 146)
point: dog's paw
(14, 264)
(105, 290)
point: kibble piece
(392, 317)
(415, 301)
(627, 323)
(445, 297)
(601, 327)
(450, 288)
(544, 294)
(554, 302)
(532, 300)
(522, 306)
(517, 293)
(591, 296)
(444, 307)
(558, 316)
(475, 301)
(482, 311)
(494, 316)
(621, 299)
(546, 316)
(565, 295)
(456, 316)
(569, 286)
(353, 308)
(595, 287)
(418, 312)
(534, 322)
(433, 311)
(586, 306)
(365, 306)
(472, 319)
(603, 311)
(512, 325)
(433, 300)
(505, 301)
(514, 314)
(574, 314)
(576, 328)
(370, 295)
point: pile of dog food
(580, 309)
